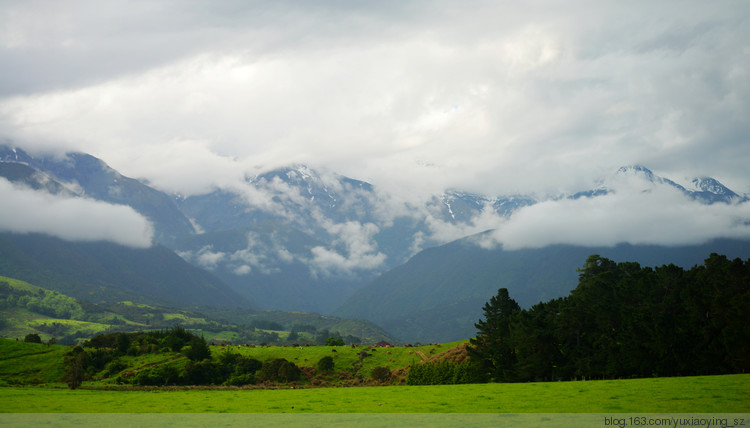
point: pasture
(701, 394)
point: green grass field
(30, 363)
(703, 394)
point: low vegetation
(175, 357)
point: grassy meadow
(30, 363)
(702, 394)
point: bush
(240, 380)
(443, 373)
(247, 365)
(197, 350)
(114, 367)
(202, 373)
(325, 364)
(161, 375)
(334, 341)
(381, 374)
(32, 338)
(279, 370)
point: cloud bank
(656, 215)
(496, 98)
(74, 219)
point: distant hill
(438, 295)
(102, 271)
(26, 308)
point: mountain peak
(637, 170)
(712, 185)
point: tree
(32, 338)
(492, 346)
(75, 367)
(198, 349)
(123, 343)
(279, 370)
(334, 341)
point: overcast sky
(495, 97)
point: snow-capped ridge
(712, 185)
(637, 170)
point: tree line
(623, 320)
(45, 302)
(103, 353)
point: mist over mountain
(86, 176)
(296, 238)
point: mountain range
(297, 239)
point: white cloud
(353, 249)
(414, 97)
(657, 215)
(443, 231)
(74, 219)
(497, 98)
(242, 270)
(208, 258)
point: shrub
(334, 341)
(380, 374)
(325, 364)
(240, 380)
(443, 373)
(114, 367)
(202, 373)
(245, 365)
(32, 338)
(197, 350)
(279, 370)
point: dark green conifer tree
(493, 345)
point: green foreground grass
(701, 394)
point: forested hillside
(624, 320)
(52, 317)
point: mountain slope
(439, 293)
(84, 175)
(101, 271)
(266, 263)
(23, 174)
